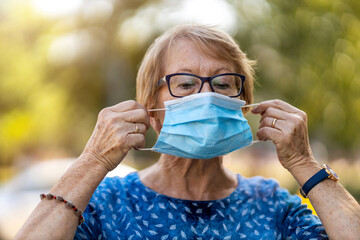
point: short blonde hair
(213, 42)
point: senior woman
(189, 87)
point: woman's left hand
(288, 132)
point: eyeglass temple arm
(161, 81)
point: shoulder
(259, 187)
(119, 182)
(109, 196)
(113, 188)
(266, 191)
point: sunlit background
(62, 61)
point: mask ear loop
(164, 109)
(157, 109)
(251, 105)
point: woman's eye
(186, 85)
(221, 85)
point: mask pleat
(203, 126)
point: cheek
(161, 117)
(163, 96)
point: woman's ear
(155, 122)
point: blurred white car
(20, 195)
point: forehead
(185, 55)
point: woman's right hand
(114, 134)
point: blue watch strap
(318, 177)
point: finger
(275, 113)
(131, 128)
(137, 128)
(269, 133)
(285, 123)
(127, 106)
(269, 122)
(137, 116)
(278, 104)
(135, 140)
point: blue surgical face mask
(203, 126)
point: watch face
(331, 171)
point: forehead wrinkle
(195, 60)
(209, 69)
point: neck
(191, 179)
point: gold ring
(137, 129)
(273, 123)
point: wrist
(96, 162)
(304, 170)
(80, 180)
(325, 173)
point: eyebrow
(215, 73)
(184, 70)
(222, 69)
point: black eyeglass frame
(203, 80)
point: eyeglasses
(184, 84)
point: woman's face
(185, 57)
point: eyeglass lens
(184, 85)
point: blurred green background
(63, 61)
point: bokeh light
(62, 61)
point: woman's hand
(338, 211)
(119, 128)
(289, 133)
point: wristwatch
(325, 173)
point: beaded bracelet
(68, 204)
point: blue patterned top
(124, 208)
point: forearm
(338, 211)
(51, 219)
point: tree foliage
(309, 55)
(57, 73)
